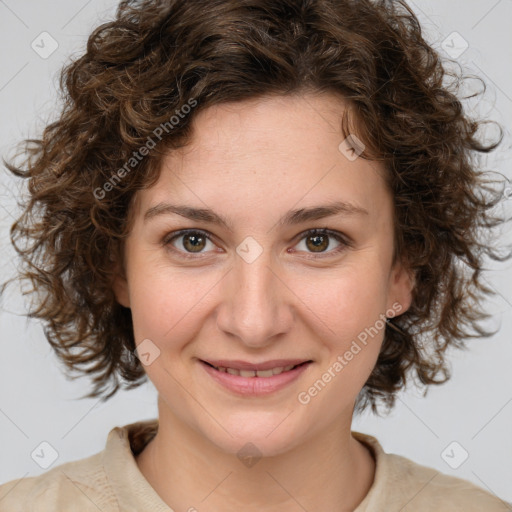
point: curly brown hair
(157, 56)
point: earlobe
(402, 285)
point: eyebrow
(292, 217)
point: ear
(120, 286)
(401, 285)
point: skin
(252, 162)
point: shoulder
(405, 485)
(431, 490)
(81, 485)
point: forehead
(274, 152)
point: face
(260, 289)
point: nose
(256, 304)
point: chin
(253, 435)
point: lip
(244, 365)
(256, 386)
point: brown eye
(188, 241)
(320, 240)
(194, 242)
(317, 243)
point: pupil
(195, 241)
(319, 241)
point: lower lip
(254, 386)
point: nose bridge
(253, 302)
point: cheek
(345, 302)
(345, 318)
(166, 304)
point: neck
(330, 471)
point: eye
(192, 241)
(188, 242)
(317, 241)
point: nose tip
(254, 305)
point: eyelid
(340, 237)
(166, 242)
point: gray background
(474, 409)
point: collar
(133, 491)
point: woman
(262, 206)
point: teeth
(256, 373)
(266, 373)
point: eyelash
(311, 232)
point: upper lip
(245, 365)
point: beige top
(110, 481)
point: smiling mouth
(257, 373)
